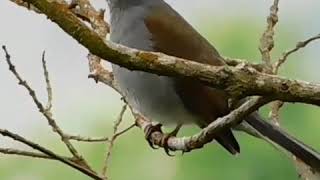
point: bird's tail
(302, 151)
(228, 141)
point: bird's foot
(149, 130)
(167, 136)
(164, 140)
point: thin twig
(48, 84)
(96, 19)
(18, 152)
(286, 54)
(43, 111)
(274, 114)
(267, 39)
(267, 44)
(113, 138)
(50, 153)
(87, 139)
(125, 130)
(97, 71)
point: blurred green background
(91, 111)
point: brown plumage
(184, 42)
(152, 25)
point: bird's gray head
(124, 4)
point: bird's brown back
(172, 35)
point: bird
(153, 25)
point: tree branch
(207, 134)
(48, 84)
(86, 139)
(267, 39)
(238, 81)
(286, 54)
(113, 139)
(153, 57)
(45, 112)
(48, 152)
(26, 153)
(267, 44)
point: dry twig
(77, 161)
(267, 39)
(48, 84)
(87, 13)
(286, 54)
(112, 141)
(12, 151)
(73, 163)
(267, 44)
(87, 139)
(274, 114)
(45, 112)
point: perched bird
(152, 25)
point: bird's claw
(149, 130)
(167, 136)
(164, 140)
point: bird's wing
(172, 35)
(175, 36)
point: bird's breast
(154, 96)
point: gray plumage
(152, 95)
(153, 25)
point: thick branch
(235, 62)
(237, 81)
(164, 65)
(207, 134)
